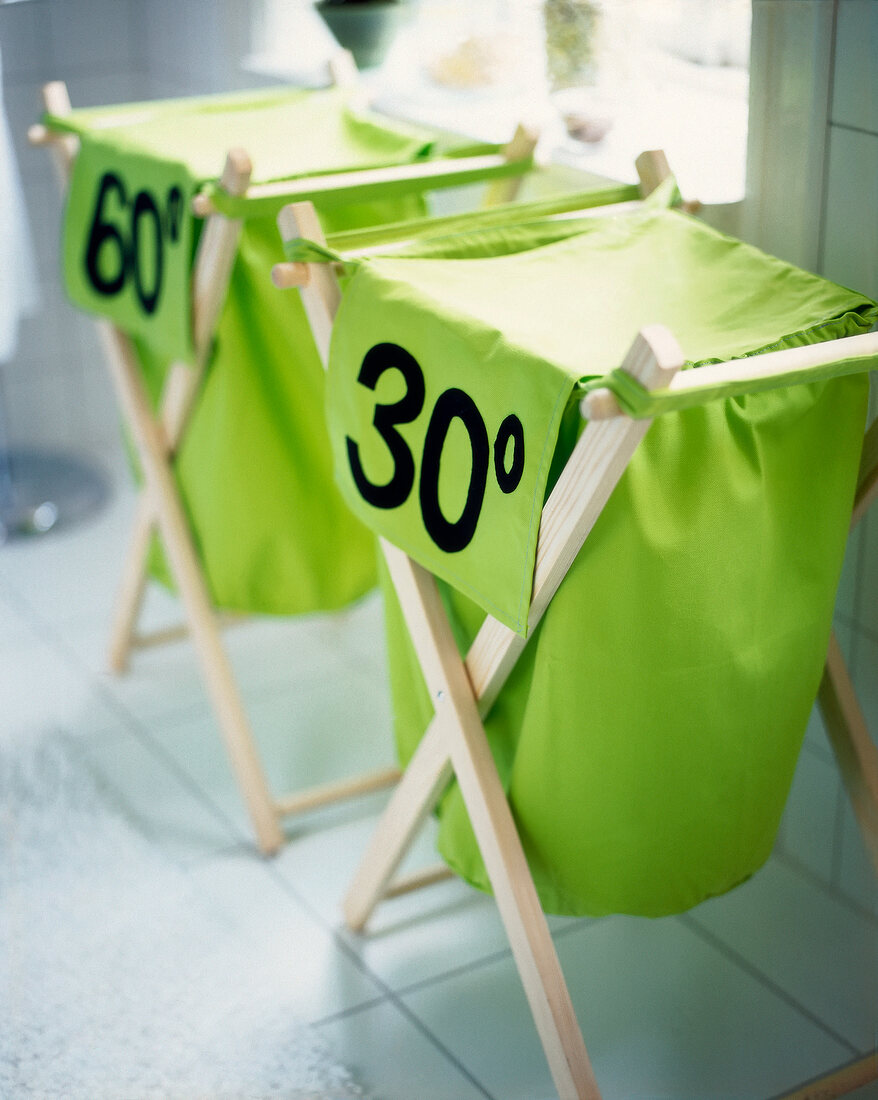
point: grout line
(419, 1026)
(482, 961)
(853, 129)
(820, 1080)
(762, 978)
(389, 995)
(827, 142)
(838, 895)
(353, 1010)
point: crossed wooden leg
(455, 743)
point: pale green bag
(648, 735)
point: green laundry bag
(254, 474)
(648, 734)
(254, 471)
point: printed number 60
(452, 404)
(110, 279)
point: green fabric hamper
(648, 735)
(254, 470)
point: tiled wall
(54, 393)
(849, 254)
(813, 198)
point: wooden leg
(178, 396)
(495, 830)
(593, 470)
(841, 1082)
(854, 749)
(522, 145)
(422, 783)
(132, 586)
(176, 538)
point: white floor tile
(864, 674)
(816, 949)
(306, 734)
(297, 953)
(816, 738)
(856, 873)
(663, 1014)
(40, 691)
(409, 939)
(394, 1059)
(808, 825)
(163, 804)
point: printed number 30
(451, 405)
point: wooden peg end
(237, 172)
(600, 405)
(38, 134)
(287, 276)
(202, 206)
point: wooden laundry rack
(462, 690)
(157, 439)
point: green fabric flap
(129, 233)
(129, 240)
(449, 378)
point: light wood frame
(463, 690)
(157, 439)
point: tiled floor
(747, 996)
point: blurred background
(781, 137)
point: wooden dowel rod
(602, 404)
(328, 793)
(38, 134)
(288, 276)
(841, 1082)
(429, 876)
(432, 173)
(149, 639)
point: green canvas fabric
(648, 735)
(254, 471)
(129, 233)
(467, 321)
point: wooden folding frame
(463, 690)
(157, 439)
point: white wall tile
(864, 673)
(90, 36)
(99, 88)
(23, 105)
(42, 411)
(866, 607)
(789, 100)
(856, 877)
(809, 822)
(25, 42)
(855, 91)
(846, 598)
(850, 251)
